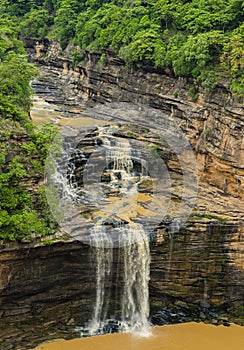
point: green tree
(23, 210)
(21, 7)
(35, 24)
(22, 147)
(15, 71)
(15, 76)
(232, 60)
(197, 53)
(147, 48)
(65, 21)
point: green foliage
(65, 21)
(190, 36)
(42, 139)
(221, 219)
(131, 134)
(146, 48)
(210, 217)
(17, 225)
(204, 15)
(154, 157)
(224, 260)
(232, 59)
(23, 215)
(77, 57)
(155, 148)
(48, 241)
(195, 54)
(35, 24)
(21, 7)
(208, 80)
(102, 59)
(198, 38)
(193, 92)
(24, 212)
(8, 110)
(15, 73)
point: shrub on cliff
(23, 211)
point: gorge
(197, 257)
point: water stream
(128, 237)
(113, 227)
(134, 300)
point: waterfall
(135, 297)
(133, 243)
(103, 254)
(115, 229)
(118, 152)
(134, 303)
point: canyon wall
(213, 122)
(48, 291)
(197, 271)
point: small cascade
(63, 178)
(205, 292)
(172, 229)
(118, 153)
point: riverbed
(186, 336)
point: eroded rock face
(46, 291)
(213, 123)
(40, 287)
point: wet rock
(168, 316)
(145, 186)
(202, 316)
(205, 304)
(71, 322)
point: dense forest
(23, 148)
(199, 38)
(202, 39)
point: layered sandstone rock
(213, 123)
(196, 270)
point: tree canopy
(199, 38)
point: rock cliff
(197, 271)
(213, 123)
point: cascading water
(132, 242)
(103, 253)
(113, 228)
(134, 303)
(135, 298)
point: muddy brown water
(186, 336)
